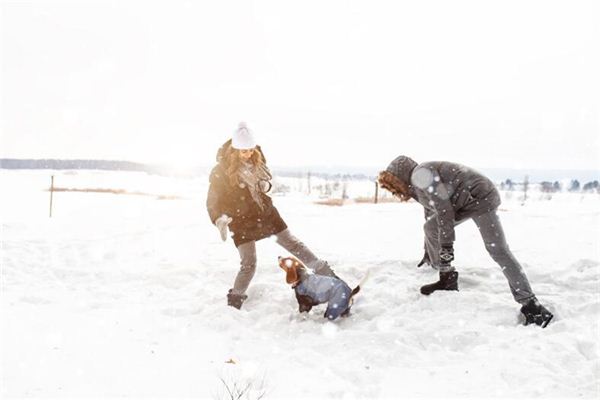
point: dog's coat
(312, 289)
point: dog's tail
(361, 283)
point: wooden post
(51, 193)
(308, 179)
(525, 187)
(376, 191)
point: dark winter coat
(249, 221)
(449, 192)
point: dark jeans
(492, 234)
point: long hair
(234, 162)
(397, 187)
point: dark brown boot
(235, 300)
(535, 313)
(448, 281)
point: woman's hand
(222, 223)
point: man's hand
(221, 223)
(424, 260)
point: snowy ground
(124, 296)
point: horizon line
(322, 166)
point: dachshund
(313, 289)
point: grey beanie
(402, 167)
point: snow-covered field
(124, 296)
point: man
(452, 193)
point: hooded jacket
(249, 221)
(449, 192)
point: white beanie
(242, 138)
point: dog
(313, 289)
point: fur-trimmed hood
(402, 168)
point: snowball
(422, 177)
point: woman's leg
(292, 244)
(495, 243)
(247, 267)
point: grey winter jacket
(449, 192)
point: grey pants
(289, 242)
(495, 243)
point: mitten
(221, 223)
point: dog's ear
(291, 275)
(281, 263)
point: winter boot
(535, 313)
(448, 281)
(235, 300)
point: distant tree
(336, 185)
(574, 186)
(591, 186)
(557, 186)
(546, 187)
(280, 188)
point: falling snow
(124, 296)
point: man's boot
(535, 313)
(235, 300)
(448, 281)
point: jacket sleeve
(436, 192)
(215, 192)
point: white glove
(222, 222)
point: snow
(124, 296)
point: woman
(238, 201)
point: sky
(511, 84)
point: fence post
(51, 193)
(525, 187)
(376, 191)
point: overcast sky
(490, 84)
